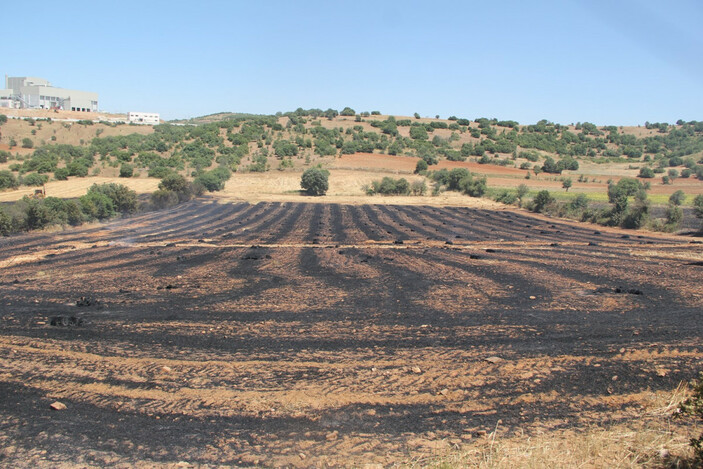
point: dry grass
(654, 440)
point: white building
(37, 93)
(6, 99)
(143, 118)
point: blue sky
(608, 62)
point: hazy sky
(607, 62)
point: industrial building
(143, 118)
(37, 93)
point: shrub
(579, 203)
(674, 215)
(126, 170)
(27, 143)
(693, 406)
(8, 180)
(541, 201)
(4, 156)
(315, 181)
(97, 206)
(677, 198)
(390, 186)
(35, 179)
(61, 174)
(214, 180)
(123, 199)
(160, 172)
(421, 166)
(5, 222)
(37, 214)
(698, 206)
(347, 111)
(506, 197)
(474, 187)
(646, 172)
(164, 198)
(418, 187)
(64, 211)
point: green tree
(61, 174)
(677, 198)
(126, 170)
(97, 206)
(566, 184)
(542, 200)
(420, 166)
(315, 181)
(5, 221)
(347, 111)
(418, 132)
(646, 172)
(27, 143)
(122, 198)
(522, 191)
(35, 179)
(416, 115)
(8, 180)
(698, 206)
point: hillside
(358, 149)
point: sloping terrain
(309, 334)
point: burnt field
(311, 334)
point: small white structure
(6, 98)
(143, 118)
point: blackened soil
(307, 334)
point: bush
(347, 111)
(390, 186)
(164, 198)
(35, 179)
(474, 187)
(677, 198)
(61, 174)
(579, 203)
(122, 198)
(541, 201)
(97, 206)
(214, 180)
(506, 197)
(126, 170)
(27, 143)
(418, 187)
(421, 166)
(698, 206)
(64, 211)
(315, 181)
(693, 406)
(646, 172)
(8, 180)
(178, 185)
(4, 156)
(5, 222)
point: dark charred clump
(618, 290)
(66, 321)
(87, 301)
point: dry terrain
(313, 334)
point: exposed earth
(311, 334)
